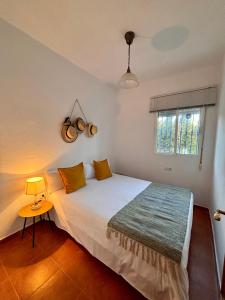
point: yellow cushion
(73, 178)
(102, 169)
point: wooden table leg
(24, 226)
(33, 230)
(49, 221)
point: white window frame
(202, 116)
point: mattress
(85, 213)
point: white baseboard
(215, 248)
(18, 228)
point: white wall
(37, 91)
(38, 88)
(218, 195)
(135, 135)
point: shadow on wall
(12, 185)
(13, 196)
(38, 87)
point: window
(178, 131)
(166, 127)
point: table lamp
(35, 186)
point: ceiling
(172, 35)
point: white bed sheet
(85, 213)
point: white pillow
(89, 171)
(54, 181)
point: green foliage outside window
(178, 132)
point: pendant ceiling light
(129, 80)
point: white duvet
(85, 213)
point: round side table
(27, 212)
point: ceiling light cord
(129, 80)
(128, 69)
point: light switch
(168, 169)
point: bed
(85, 215)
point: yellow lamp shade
(35, 186)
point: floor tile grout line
(58, 266)
(44, 281)
(49, 251)
(71, 279)
(32, 260)
(80, 294)
(61, 269)
(50, 257)
(10, 280)
(4, 270)
(41, 285)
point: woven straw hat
(69, 132)
(91, 129)
(80, 125)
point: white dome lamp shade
(129, 80)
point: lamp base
(36, 206)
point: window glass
(166, 125)
(188, 131)
(178, 131)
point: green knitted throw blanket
(155, 219)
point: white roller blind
(186, 99)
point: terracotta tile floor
(59, 268)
